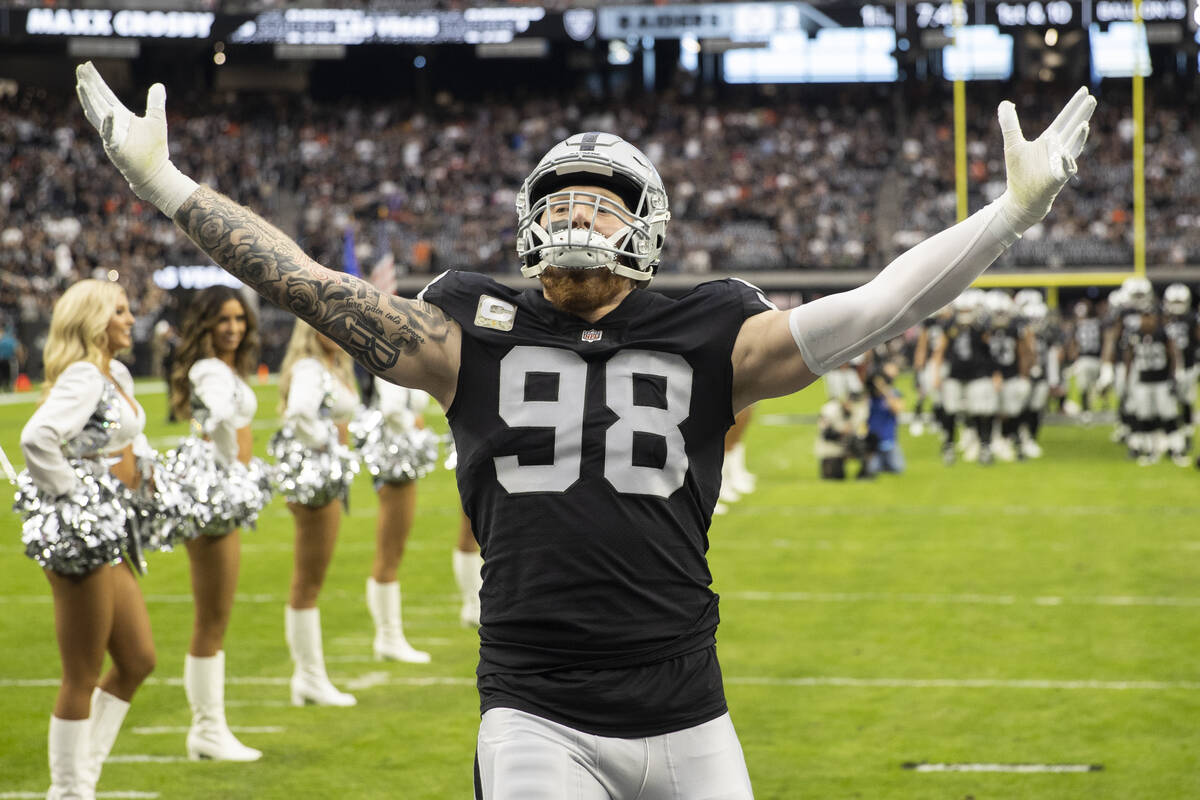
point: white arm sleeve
(70, 404)
(832, 330)
(305, 394)
(1053, 373)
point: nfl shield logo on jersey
(592, 335)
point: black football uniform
(589, 463)
(1089, 337)
(1004, 345)
(1182, 329)
(1151, 356)
(968, 352)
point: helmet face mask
(563, 183)
(1177, 299)
(1138, 294)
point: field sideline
(1023, 631)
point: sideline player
(590, 416)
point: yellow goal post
(1052, 281)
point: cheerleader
(75, 498)
(218, 349)
(468, 572)
(397, 449)
(314, 472)
(466, 559)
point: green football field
(1024, 630)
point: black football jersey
(1089, 336)
(967, 352)
(1045, 338)
(589, 463)
(1151, 356)
(1182, 329)
(1004, 346)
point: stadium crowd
(793, 183)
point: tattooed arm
(408, 342)
(404, 341)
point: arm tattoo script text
(376, 329)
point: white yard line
(42, 795)
(1019, 768)
(908, 598)
(959, 599)
(158, 730)
(969, 683)
(756, 508)
(375, 678)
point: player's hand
(1038, 170)
(137, 146)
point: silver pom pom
(217, 499)
(312, 476)
(161, 506)
(392, 456)
(81, 530)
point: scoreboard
(749, 20)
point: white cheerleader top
(315, 398)
(400, 405)
(73, 400)
(222, 403)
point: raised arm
(778, 352)
(404, 341)
(408, 342)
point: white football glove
(1038, 170)
(136, 145)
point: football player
(932, 330)
(1084, 347)
(1152, 362)
(1183, 326)
(969, 388)
(589, 416)
(1118, 324)
(1044, 345)
(1009, 346)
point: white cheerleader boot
(108, 713)
(383, 601)
(68, 748)
(310, 682)
(468, 574)
(210, 737)
(743, 480)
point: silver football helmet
(969, 305)
(592, 159)
(1177, 299)
(1000, 307)
(1028, 297)
(1139, 294)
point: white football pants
(1087, 373)
(976, 397)
(1014, 396)
(524, 757)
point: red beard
(580, 291)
